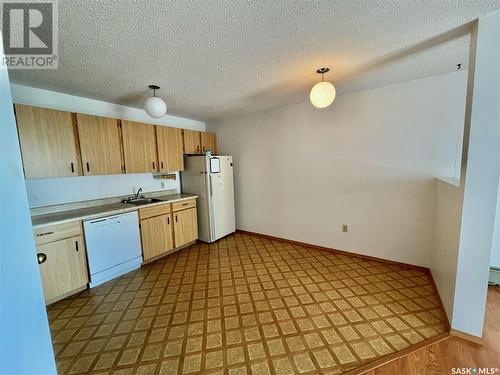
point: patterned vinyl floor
(245, 305)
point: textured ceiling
(216, 58)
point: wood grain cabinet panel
(156, 234)
(100, 145)
(64, 269)
(48, 142)
(208, 142)
(170, 149)
(139, 147)
(192, 142)
(185, 226)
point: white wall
(64, 102)
(481, 182)
(25, 343)
(50, 191)
(367, 161)
(446, 240)
(43, 192)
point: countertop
(97, 211)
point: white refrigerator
(211, 178)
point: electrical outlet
(345, 228)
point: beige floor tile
(284, 308)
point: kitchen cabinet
(170, 149)
(62, 260)
(139, 147)
(100, 145)
(49, 146)
(208, 142)
(192, 142)
(157, 236)
(185, 226)
(156, 231)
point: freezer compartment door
(221, 192)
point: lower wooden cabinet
(185, 226)
(157, 236)
(163, 231)
(63, 267)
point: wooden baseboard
(317, 247)
(443, 310)
(468, 337)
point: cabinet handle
(185, 204)
(176, 218)
(168, 220)
(203, 149)
(44, 234)
(41, 257)
(72, 168)
(76, 245)
(88, 167)
(198, 148)
(153, 165)
(161, 165)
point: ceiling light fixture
(322, 93)
(155, 106)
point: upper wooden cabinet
(139, 147)
(192, 142)
(100, 145)
(170, 149)
(48, 142)
(208, 142)
(60, 144)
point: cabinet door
(170, 149)
(139, 147)
(48, 142)
(208, 142)
(192, 142)
(185, 227)
(156, 233)
(99, 144)
(65, 267)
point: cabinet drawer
(182, 205)
(57, 232)
(161, 209)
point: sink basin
(141, 201)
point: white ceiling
(217, 58)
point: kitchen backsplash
(51, 191)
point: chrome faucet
(137, 194)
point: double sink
(141, 201)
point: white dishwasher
(113, 246)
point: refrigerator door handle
(210, 180)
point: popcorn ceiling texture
(212, 58)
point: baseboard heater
(495, 276)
